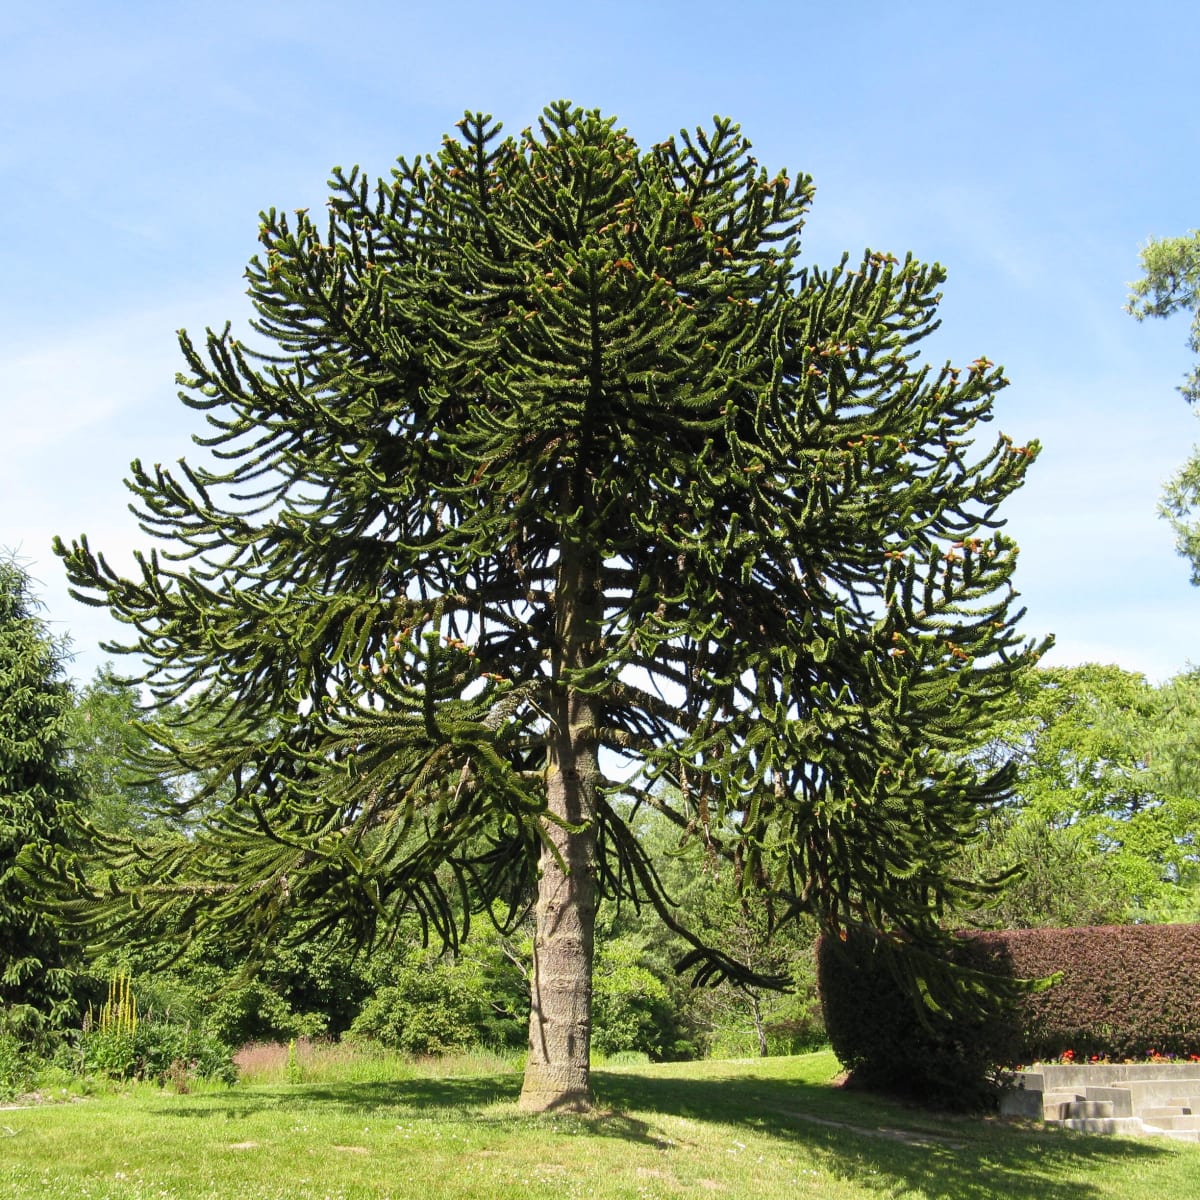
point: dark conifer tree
(37, 787)
(553, 485)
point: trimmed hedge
(1123, 992)
(1127, 991)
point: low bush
(432, 1006)
(16, 1065)
(254, 1012)
(156, 1050)
(118, 1042)
(632, 1009)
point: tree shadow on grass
(882, 1146)
(451, 1097)
(867, 1141)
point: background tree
(1066, 878)
(551, 460)
(735, 1017)
(37, 786)
(1105, 816)
(1172, 283)
(107, 747)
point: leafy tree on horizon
(553, 486)
(1104, 814)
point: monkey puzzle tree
(554, 486)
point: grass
(755, 1128)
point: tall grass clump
(309, 1061)
(305, 1060)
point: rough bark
(560, 1018)
(760, 1028)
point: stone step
(1016, 1102)
(1148, 1092)
(1174, 1122)
(1049, 1076)
(1030, 1081)
(1130, 1126)
(1080, 1109)
(1160, 1100)
(1052, 1101)
(1118, 1096)
(1176, 1135)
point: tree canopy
(552, 486)
(107, 743)
(1104, 814)
(1172, 283)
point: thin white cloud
(75, 409)
(84, 378)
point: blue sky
(1030, 148)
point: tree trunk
(759, 1027)
(560, 1016)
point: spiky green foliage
(36, 787)
(551, 463)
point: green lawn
(770, 1128)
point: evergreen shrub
(889, 1041)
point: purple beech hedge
(1121, 992)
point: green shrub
(17, 1065)
(255, 1012)
(627, 1058)
(631, 1011)
(118, 1043)
(157, 1050)
(432, 1006)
